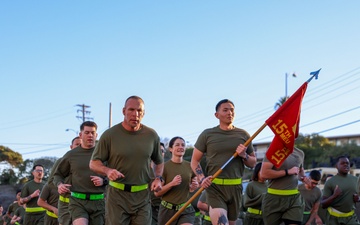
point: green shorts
(34, 218)
(187, 216)
(275, 208)
(94, 210)
(124, 207)
(64, 214)
(48, 220)
(227, 197)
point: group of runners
(116, 180)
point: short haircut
(134, 97)
(72, 141)
(162, 144)
(34, 167)
(315, 175)
(222, 102)
(88, 124)
(341, 157)
(172, 141)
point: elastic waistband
(34, 209)
(254, 211)
(220, 181)
(337, 213)
(282, 192)
(64, 199)
(127, 187)
(169, 205)
(51, 214)
(207, 218)
(87, 196)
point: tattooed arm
(195, 163)
(195, 166)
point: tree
(320, 152)
(281, 101)
(10, 156)
(8, 176)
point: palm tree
(281, 101)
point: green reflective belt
(197, 213)
(51, 214)
(220, 181)
(127, 187)
(172, 206)
(337, 213)
(17, 223)
(87, 196)
(207, 218)
(307, 213)
(254, 211)
(63, 199)
(34, 209)
(282, 192)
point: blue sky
(181, 57)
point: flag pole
(314, 74)
(213, 177)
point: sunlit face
(226, 113)
(178, 149)
(88, 137)
(38, 172)
(76, 143)
(134, 112)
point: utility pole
(110, 115)
(84, 112)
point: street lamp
(77, 133)
(286, 83)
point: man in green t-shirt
(87, 204)
(340, 194)
(219, 144)
(29, 196)
(128, 148)
(311, 194)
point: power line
(343, 125)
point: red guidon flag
(285, 125)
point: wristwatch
(160, 178)
(246, 157)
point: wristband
(202, 179)
(286, 172)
